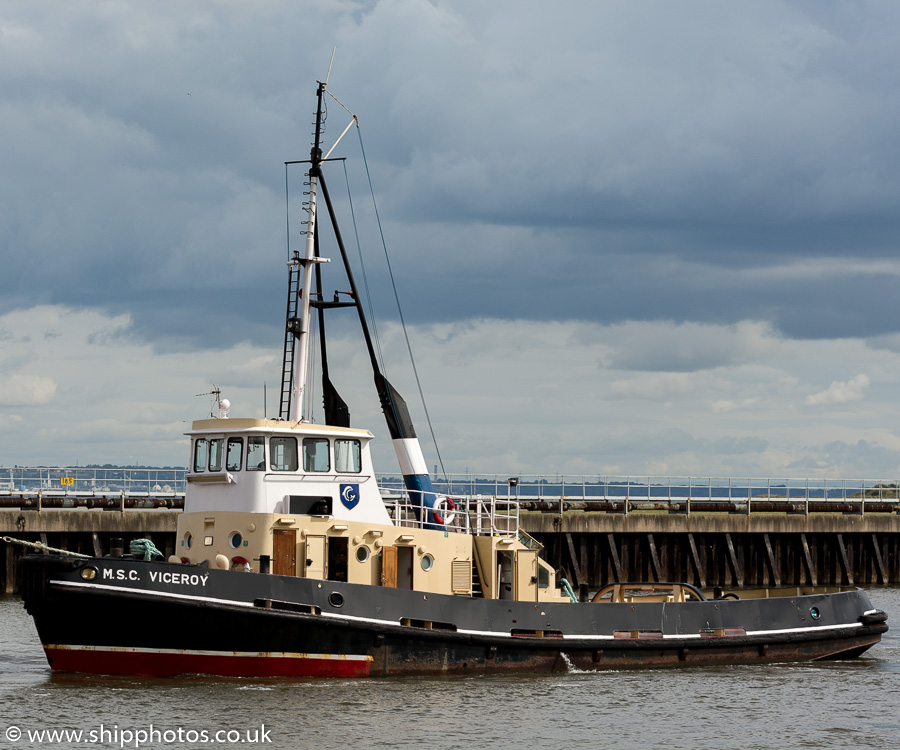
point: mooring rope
(42, 547)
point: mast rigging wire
(396, 299)
(315, 332)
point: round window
(188, 538)
(427, 562)
(362, 553)
(235, 539)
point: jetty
(713, 532)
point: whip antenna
(333, 49)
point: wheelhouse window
(256, 453)
(234, 454)
(201, 446)
(347, 457)
(215, 454)
(315, 454)
(283, 453)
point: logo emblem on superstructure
(350, 495)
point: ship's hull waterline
(155, 619)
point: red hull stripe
(151, 662)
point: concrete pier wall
(596, 548)
(79, 530)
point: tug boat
(292, 561)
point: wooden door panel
(284, 552)
(389, 567)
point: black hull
(160, 619)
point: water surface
(817, 705)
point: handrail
(478, 515)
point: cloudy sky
(628, 237)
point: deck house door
(526, 575)
(284, 552)
(315, 556)
(389, 567)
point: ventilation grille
(462, 576)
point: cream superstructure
(301, 499)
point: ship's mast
(301, 348)
(400, 426)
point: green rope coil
(567, 589)
(145, 548)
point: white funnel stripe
(409, 454)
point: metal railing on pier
(75, 486)
(662, 489)
(56, 480)
(87, 487)
(543, 492)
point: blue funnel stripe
(422, 497)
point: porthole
(335, 599)
(88, 573)
(362, 553)
(427, 562)
(188, 538)
(235, 539)
(814, 613)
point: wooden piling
(9, 569)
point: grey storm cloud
(601, 162)
(657, 235)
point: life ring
(437, 509)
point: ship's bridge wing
(274, 466)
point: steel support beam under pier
(736, 550)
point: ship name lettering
(119, 574)
(182, 579)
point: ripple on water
(813, 705)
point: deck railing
(479, 515)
